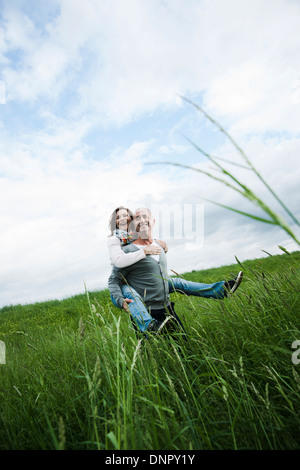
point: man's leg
(198, 289)
(173, 323)
(137, 308)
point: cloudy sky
(90, 98)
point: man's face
(143, 223)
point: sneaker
(155, 327)
(232, 285)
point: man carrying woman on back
(139, 282)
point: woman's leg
(198, 289)
(137, 308)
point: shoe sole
(237, 282)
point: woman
(122, 233)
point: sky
(93, 109)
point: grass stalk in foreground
(236, 185)
(89, 383)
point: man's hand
(152, 250)
(125, 304)
(163, 244)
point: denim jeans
(137, 308)
(139, 311)
(198, 289)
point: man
(148, 282)
(147, 279)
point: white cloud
(243, 88)
(107, 64)
(54, 216)
(134, 57)
(54, 227)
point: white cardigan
(117, 256)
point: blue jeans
(198, 289)
(139, 311)
(137, 308)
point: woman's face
(123, 219)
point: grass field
(77, 377)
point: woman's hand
(163, 244)
(152, 250)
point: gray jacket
(148, 277)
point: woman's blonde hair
(112, 225)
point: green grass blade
(255, 217)
(200, 171)
(247, 193)
(240, 150)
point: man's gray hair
(145, 209)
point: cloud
(54, 224)
(92, 95)
(54, 216)
(125, 59)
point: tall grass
(235, 184)
(88, 382)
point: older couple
(139, 282)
